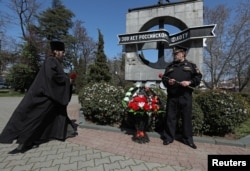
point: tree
(99, 71)
(227, 55)
(9, 54)
(117, 68)
(20, 77)
(82, 51)
(241, 32)
(26, 11)
(5, 19)
(30, 56)
(25, 71)
(55, 22)
(215, 59)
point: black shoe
(15, 151)
(192, 145)
(22, 148)
(35, 145)
(167, 142)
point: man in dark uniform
(179, 78)
(42, 113)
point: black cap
(179, 48)
(57, 45)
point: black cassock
(42, 113)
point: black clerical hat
(179, 48)
(57, 45)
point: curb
(243, 142)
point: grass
(243, 129)
(10, 93)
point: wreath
(144, 104)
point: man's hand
(185, 83)
(171, 81)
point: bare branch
(227, 55)
(26, 11)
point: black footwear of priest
(22, 148)
(167, 142)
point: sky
(107, 15)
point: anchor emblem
(188, 37)
(161, 63)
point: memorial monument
(186, 15)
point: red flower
(146, 107)
(160, 75)
(133, 105)
(73, 76)
(140, 99)
(155, 107)
(143, 102)
(154, 99)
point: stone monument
(185, 15)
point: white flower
(126, 99)
(132, 88)
(141, 104)
(134, 95)
(128, 94)
(138, 84)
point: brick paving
(102, 149)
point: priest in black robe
(42, 113)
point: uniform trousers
(179, 105)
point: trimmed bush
(245, 98)
(223, 111)
(101, 103)
(197, 119)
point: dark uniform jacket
(181, 71)
(42, 113)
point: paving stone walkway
(107, 149)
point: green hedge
(223, 111)
(101, 103)
(215, 112)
